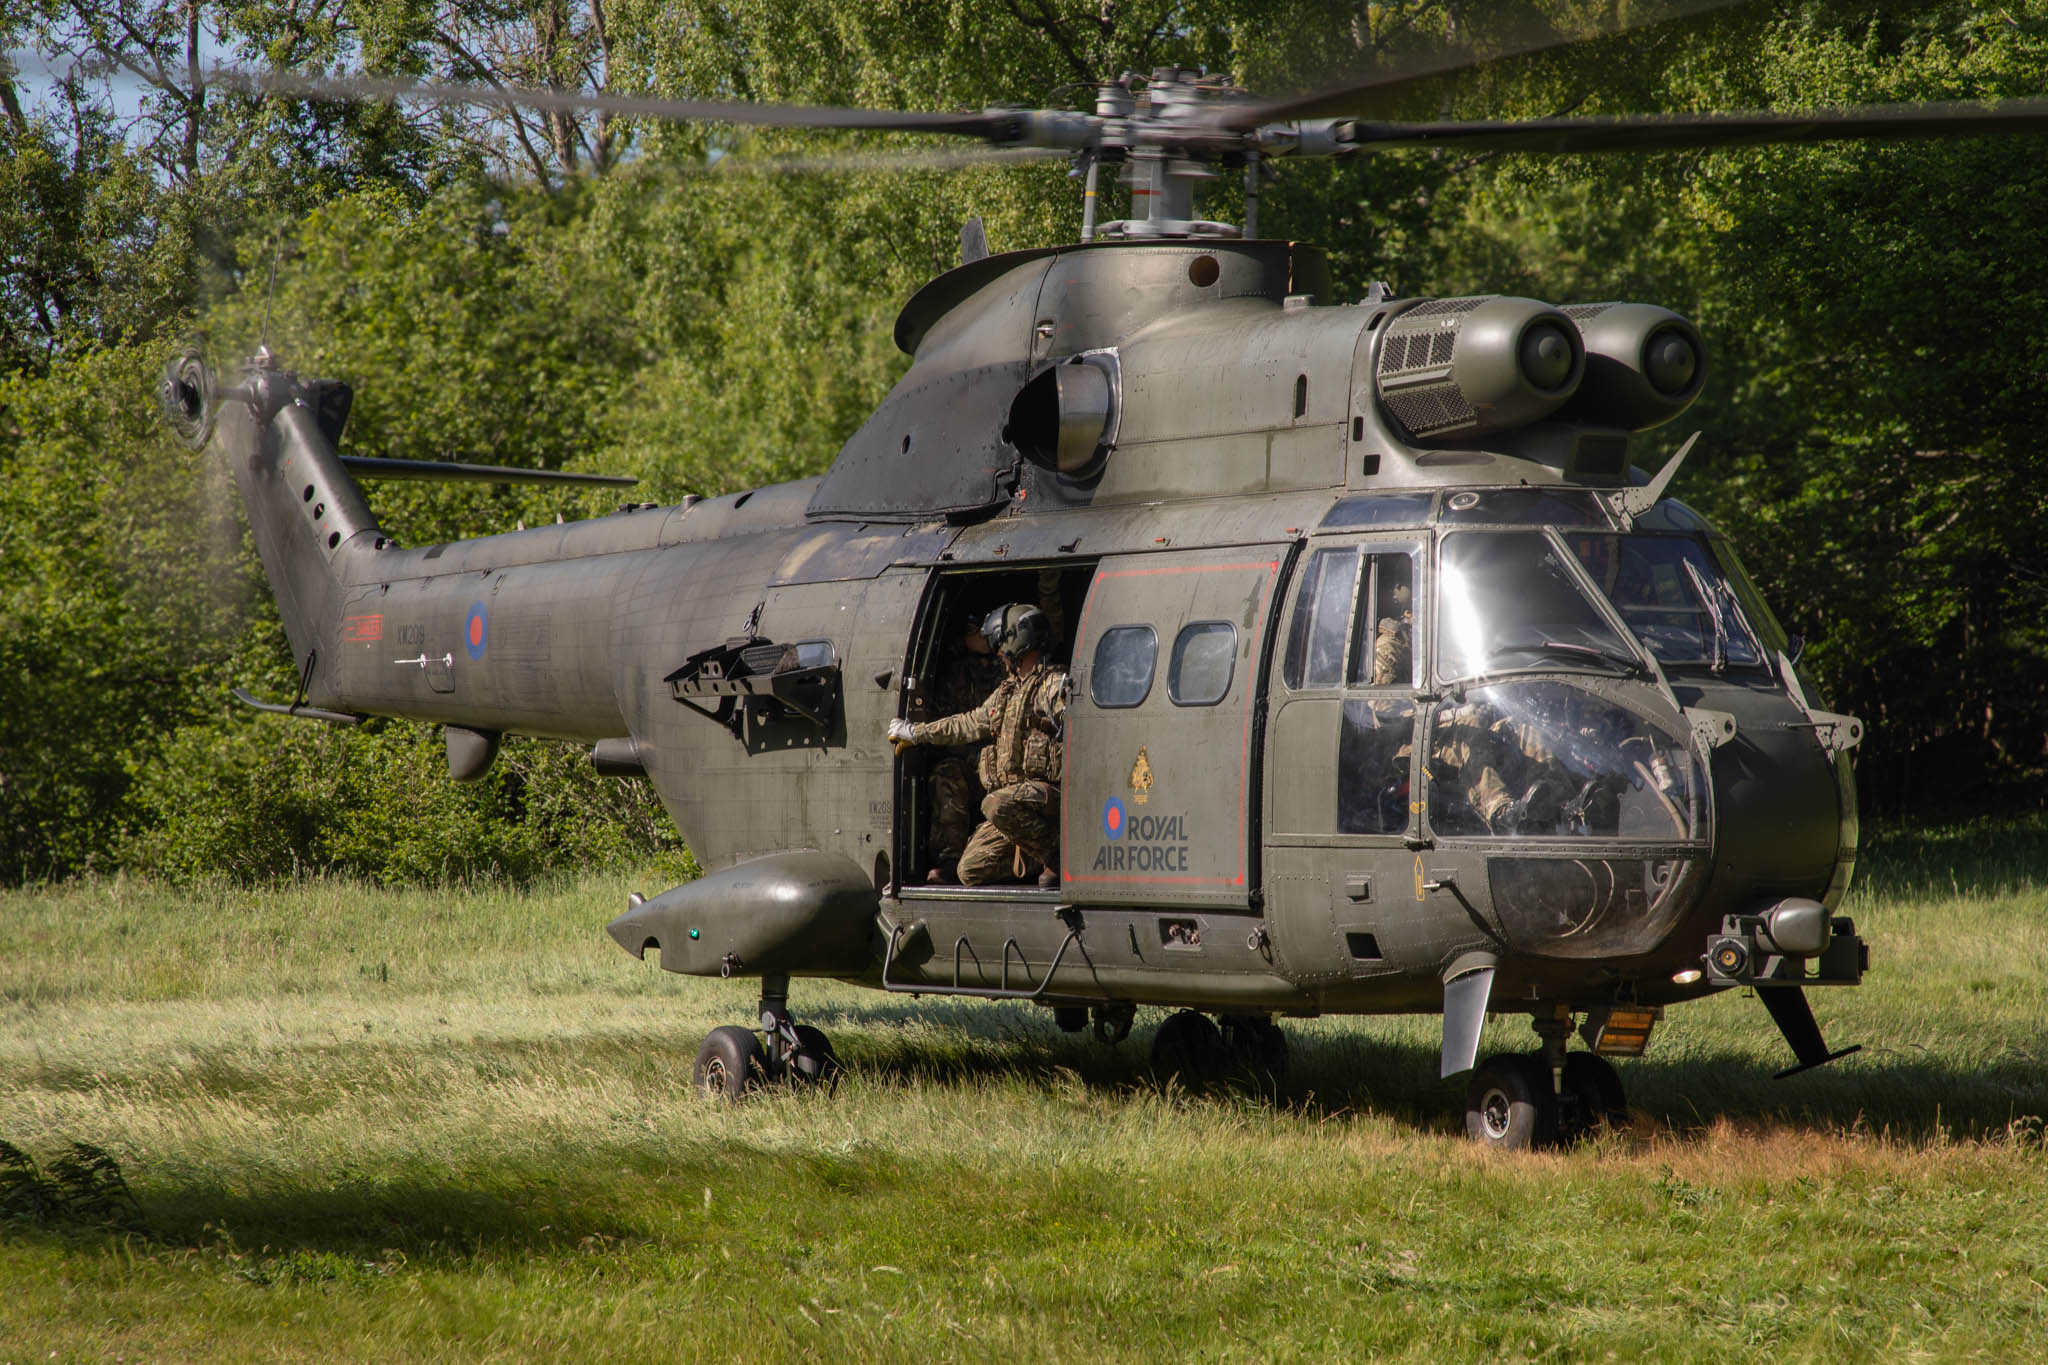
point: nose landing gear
(1509, 1103)
(733, 1062)
(1549, 1098)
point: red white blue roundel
(476, 631)
(1113, 818)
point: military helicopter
(1394, 687)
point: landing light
(1687, 977)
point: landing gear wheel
(1258, 1050)
(1592, 1084)
(814, 1062)
(729, 1064)
(1189, 1049)
(1113, 1021)
(1509, 1105)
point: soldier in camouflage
(1025, 717)
(971, 672)
(1392, 648)
(1481, 758)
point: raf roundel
(476, 631)
(1113, 818)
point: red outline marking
(1272, 568)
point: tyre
(1258, 1051)
(1189, 1049)
(1509, 1105)
(1595, 1090)
(815, 1063)
(729, 1063)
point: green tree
(705, 307)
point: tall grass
(457, 1124)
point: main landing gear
(1238, 1048)
(1518, 1101)
(733, 1061)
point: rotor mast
(1165, 132)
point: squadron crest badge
(1141, 779)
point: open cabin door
(1162, 728)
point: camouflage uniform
(1474, 744)
(1025, 717)
(1390, 653)
(958, 790)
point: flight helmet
(1015, 630)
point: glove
(902, 734)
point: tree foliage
(707, 308)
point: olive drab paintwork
(1283, 788)
(1393, 684)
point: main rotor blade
(1371, 93)
(929, 159)
(1666, 132)
(310, 86)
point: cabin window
(1204, 661)
(1125, 659)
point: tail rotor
(188, 396)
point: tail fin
(310, 519)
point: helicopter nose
(1778, 813)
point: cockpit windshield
(1508, 601)
(1545, 758)
(1672, 595)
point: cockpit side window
(1322, 620)
(1382, 639)
(1352, 638)
(1330, 644)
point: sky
(36, 79)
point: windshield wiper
(1629, 664)
(1711, 599)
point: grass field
(370, 1125)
